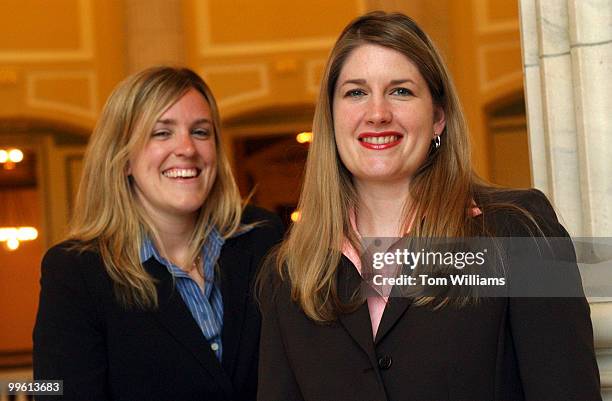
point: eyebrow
(170, 121)
(402, 81)
(361, 81)
(354, 81)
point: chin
(382, 174)
(187, 209)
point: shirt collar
(351, 253)
(210, 253)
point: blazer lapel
(357, 323)
(235, 275)
(175, 317)
(396, 307)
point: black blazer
(504, 349)
(103, 352)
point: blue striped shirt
(206, 306)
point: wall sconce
(295, 216)
(9, 157)
(11, 212)
(304, 137)
(12, 236)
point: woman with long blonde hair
(149, 297)
(390, 157)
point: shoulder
(253, 214)
(267, 230)
(520, 212)
(72, 261)
(527, 198)
(69, 252)
(272, 288)
(532, 200)
(266, 226)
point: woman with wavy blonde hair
(149, 296)
(390, 157)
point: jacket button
(384, 362)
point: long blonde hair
(107, 217)
(445, 185)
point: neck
(380, 208)
(174, 235)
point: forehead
(191, 105)
(370, 61)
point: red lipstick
(379, 140)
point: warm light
(7, 233)
(10, 157)
(15, 155)
(304, 137)
(12, 244)
(295, 216)
(27, 233)
(13, 235)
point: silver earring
(437, 141)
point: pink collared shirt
(376, 303)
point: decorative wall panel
(234, 84)
(33, 31)
(72, 92)
(273, 26)
(499, 65)
(314, 74)
(494, 16)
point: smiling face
(384, 117)
(175, 169)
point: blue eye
(161, 134)
(200, 132)
(355, 93)
(402, 92)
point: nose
(379, 111)
(184, 144)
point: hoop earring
(437, 141)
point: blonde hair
(445, 186)
(107, 217)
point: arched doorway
(268, 160)
(35, 192)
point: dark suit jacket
(505, 349)
(103, 352)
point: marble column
(567, 56)
(154, 33)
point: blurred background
(60, 59)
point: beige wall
(60, 62)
